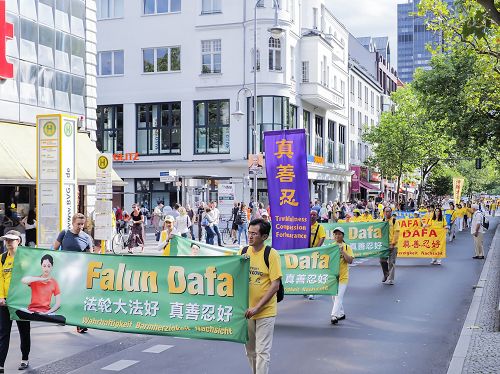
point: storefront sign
(288, 186)
(363, 174)
(355, 179)
(6, 33)
(131, 156)
(168, 176)
(56, 175)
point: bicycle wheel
(226, 236)
(118, 244)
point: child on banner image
(437, 222)
(265, 279)
(346, 258)
(12, 239)
(43, 287)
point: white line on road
(159, 348)
(120, 365)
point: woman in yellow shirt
(437, 222)
(346, 257)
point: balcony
(321, 96)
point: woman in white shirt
(29, 224)
(182, 222)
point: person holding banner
(317, 236)
(264, 284)
(12, 239)
(346, 258)
(388, 264)
(437, 222)
(167, 233)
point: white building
(168, 76)
(52, 51)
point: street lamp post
(276, 32)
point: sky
(369, 18)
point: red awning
(368, 186)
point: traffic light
(478, 163)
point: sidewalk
(478, 347)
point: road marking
(158, 348)
(120, 365)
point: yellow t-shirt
(166, 249)
(393, 232)
(461, 212)
(344, 266)
(321, 234)
(437, 224)
(5, 276)
(260, 280)
(366, 218)
(356, 219)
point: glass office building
(413, 38)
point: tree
(439, 185)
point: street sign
(104, 186)
(103, 227)
(168, 176)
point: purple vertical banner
(288, 187)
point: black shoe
(384, 279)
(341, 318)
(2, 370)
(23, 366)
(475, 257)
(480, 257)
(334, 320)
(81, 330)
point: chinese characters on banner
(458, 184)
(416, 241)
(288, 188)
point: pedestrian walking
(29, 224)
(75, 240)
(215, 213)
(12, 240)
(388, 264)
(190, 213)
(437, 222)
(477, 231)
(182, 222)
(136, 238)
(199, 215)
(234, 226)
(264, 282)
(207, 221)
(346, 258)
(242, 222)
(157, 217)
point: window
(351, 89)
(318, 149)
(323, 72)
(211, 126)
(341, 144)
(110, 128)
(359, 119)
(292, 63)
(46, 87)
(28, 82)
(306, 118)
(359, 93)
(161, 59)
(107, 9)
(372, 102)
(77, 56)
(29, 40)
(63, 51)
(258, 59)
(273, 113)
(78, 18)
(366, 154)
(292, 11)
(77, 94)
(274, 53)
(211, 56)
(63, 91)
(159, 128)
(331, 142)
(353, 150)
(46, 45)
(210, 6)
(366, 98)
(360, 152)
(149, 192)
(342, 87)
(305, 71)
(110, 63)
(315, 18)
(351, 120)
(27, 8)
(161, 6)
(46, 12)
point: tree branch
(489, 5)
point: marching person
(477, 231)
(75, 240)
(437, 222)
(388, 264)
(12, 240)
(461, 212)
(346, 258)
(316, 236)
(166, 234)
(264, 283)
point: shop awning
(18, 156)
(368, 186)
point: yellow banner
(458, 184)
(416, 241)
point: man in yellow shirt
(388, 264)
(12, 240)
(346, 258)
(317, 237)
(264, 283)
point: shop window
(211, 126)
(110, 128)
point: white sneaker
(433, 262)
(438, 262)
(389, 282)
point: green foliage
(485, 180)
(439, 184)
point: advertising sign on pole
(225, 198)
(103, 228)
(56, 175)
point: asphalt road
(411, 327)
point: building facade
(51, 47)
(413, 37)
(169, 73)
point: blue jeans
(243, 228)
(210, 234)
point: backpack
(238, 220)
(280, 295)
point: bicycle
(226, 231)
(120, 241)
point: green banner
(311, 271)
(192, 297)
(367, 239)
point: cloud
(368, 18)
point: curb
(462, 347)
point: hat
(264, 213)
(169, 219)
(12, 235)
(338, 228)
(356, 211)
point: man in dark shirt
(75, 240)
